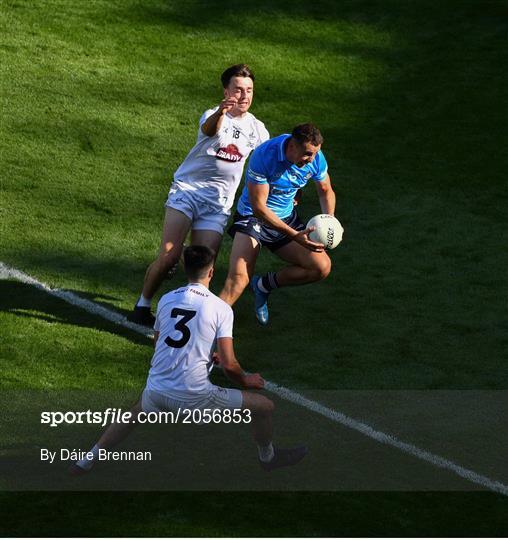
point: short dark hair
(307, 133)
(197, 260)
(238, 70)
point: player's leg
(305, 266)
(261, 409)
(117, 432)
(209, 238)
(208, 226)
(242, 261)
(270, 457)
(114, 434)
(175, 229)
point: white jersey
(213, 168)
(190, 320)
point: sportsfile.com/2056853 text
(184, 416)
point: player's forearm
(269, 217)
(327, 202)
(213, 123)
(234, 373)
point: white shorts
(204, 216)
(218, 398)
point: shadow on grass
(25, 301)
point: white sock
(88, 463)
(261, 287)
(266, 453)
(144, 302)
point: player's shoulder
(257, 130)
(271, 146)
(320, 164)
(207, 114)
(170, 296)
(254, 120)
(165, 300)
(266, 156)
(219, 304)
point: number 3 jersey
(213, 168)
(190, 320)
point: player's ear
(210, 272)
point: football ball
(328, 230)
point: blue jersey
(268, 165)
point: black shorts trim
(264, 234)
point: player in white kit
(191, 324)
(205, 184)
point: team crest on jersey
(229, 153)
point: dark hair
(197, 260)
(307, 133)
(238, 70)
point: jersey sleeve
(262, 132)
(257, 172)
(206, 115)
(321, 167)
(225, 326)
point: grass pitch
(100, 104)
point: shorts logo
(257, 227)
(230, 153)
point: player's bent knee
(238, 281)
(259, 405)
(269, 406)
(168, 259)
(326, 268)
(265, 406)
(322, 268)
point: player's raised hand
(254, 380)
(227, 104)
(302, 238)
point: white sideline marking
(285, 393)
(6, 272)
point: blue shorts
(264, 234)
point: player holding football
(266, 216)
(205, 184)
(190, 322)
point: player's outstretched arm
(326, 196)
(232, 368)
(213, 123)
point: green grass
(100, 102)
(226, 514)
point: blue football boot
(260, 301)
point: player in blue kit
(266, 216)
